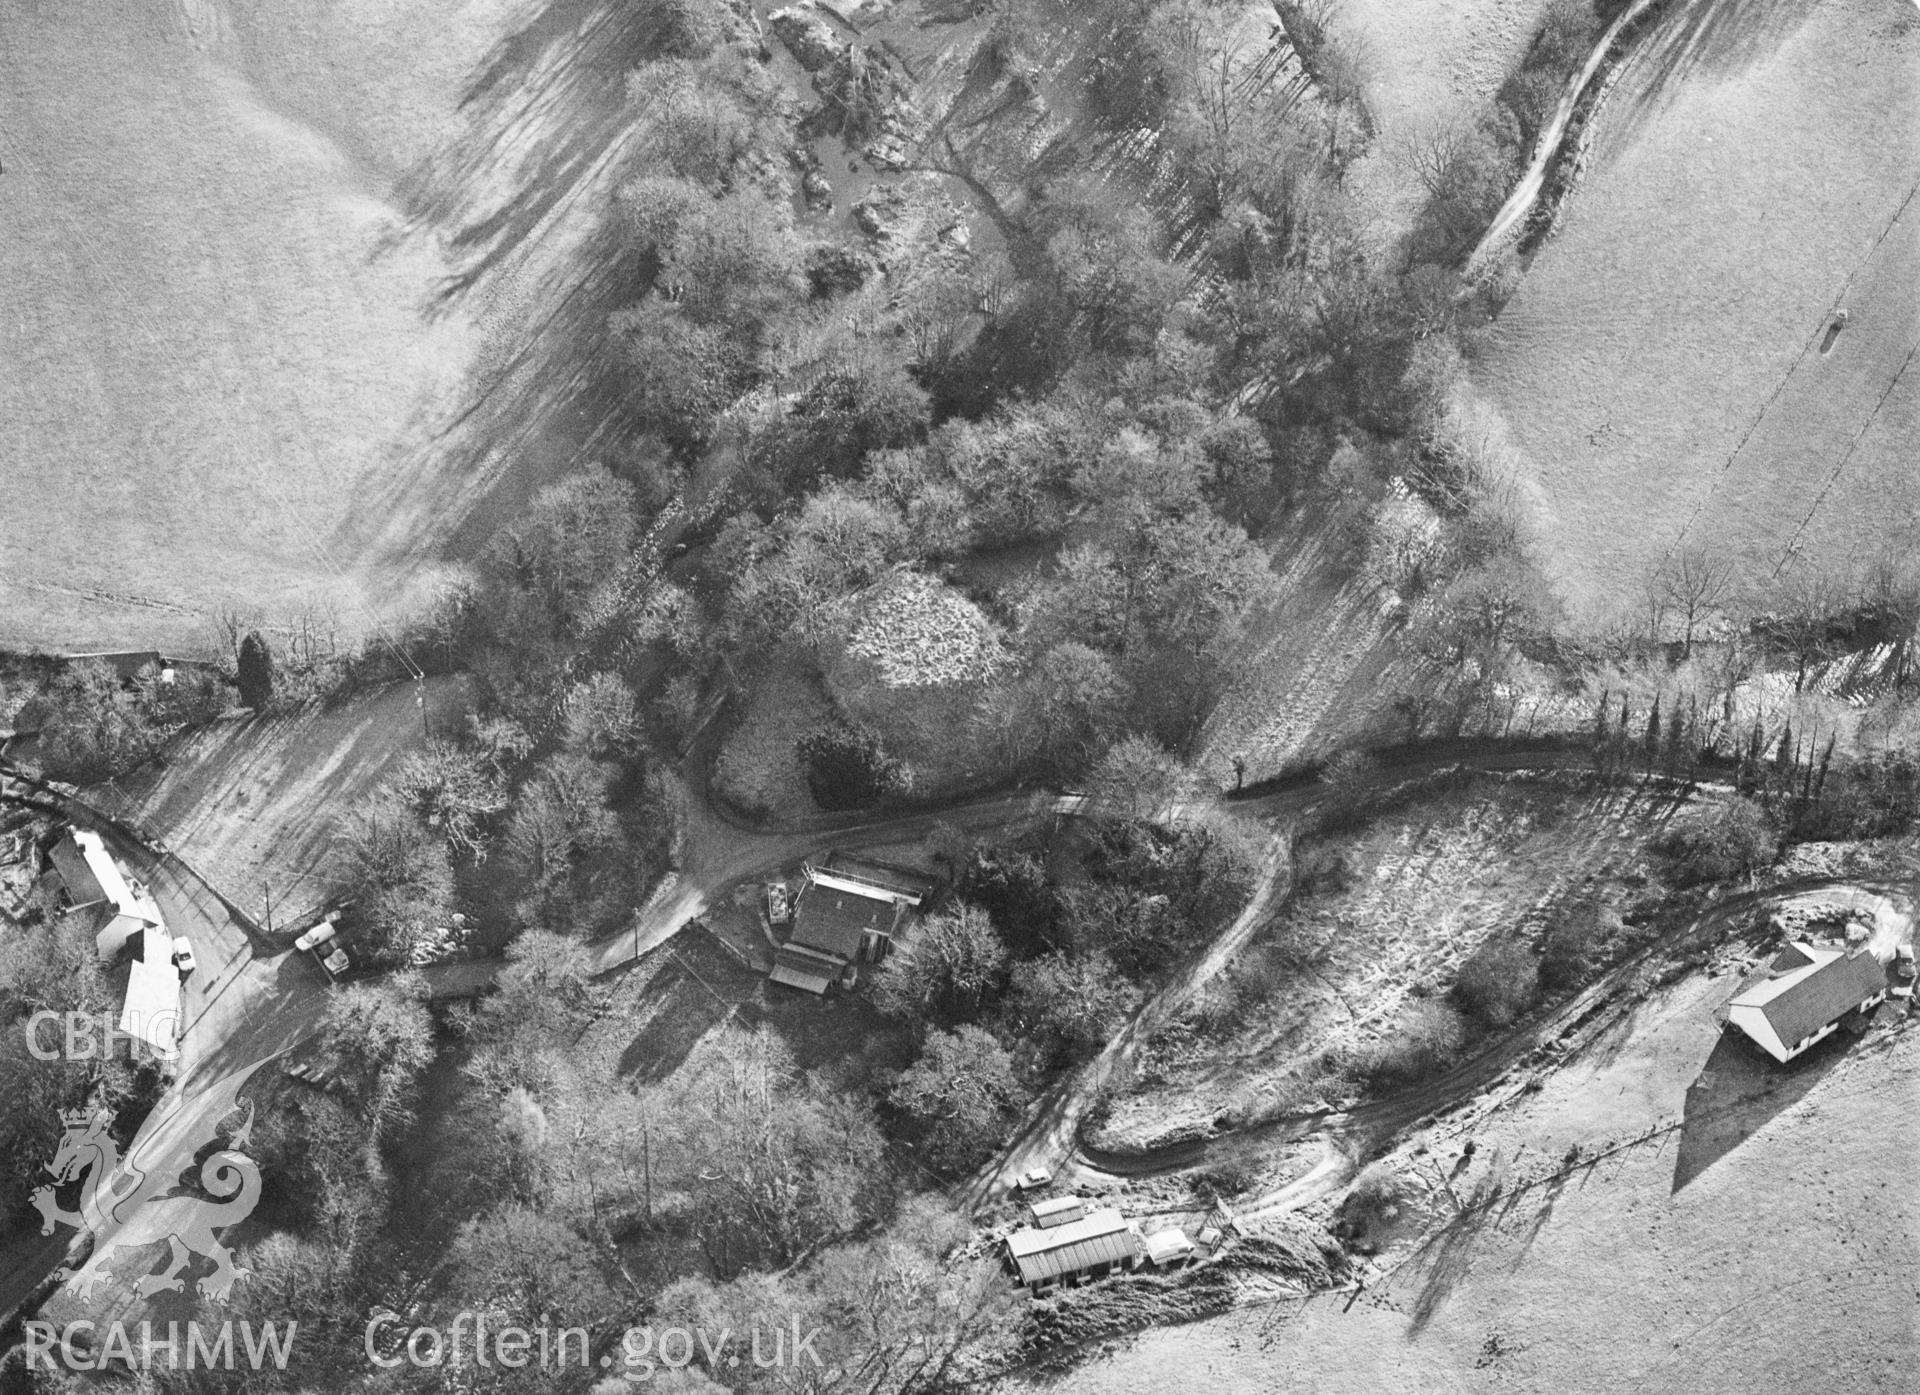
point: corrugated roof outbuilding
(1104, 1238)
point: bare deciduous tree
(1690, 585)
(230, 622)
(1890, 589)
(1805, 600)
(1434, 153)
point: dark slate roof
(784, 972)
(811, 959)
(1791, 958)
(83, 888)
(125, 663)
(835, 922)
(1806, 1000)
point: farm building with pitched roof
(1808, 989)
(1090, 1247)
(1058, 1210)
(124, 915)
(1170, 1248)
(848, 912)
(150, 994)
(93, 882)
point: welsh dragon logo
(126, 1208)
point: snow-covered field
(1762, 1238)
(1664, 367)
(230, 377)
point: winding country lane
(1512, 218)
(254, 1000)
(1350, 1137)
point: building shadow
(677, 1013)
(1739, 1089)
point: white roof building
(1165, 1247)
(1096, 1244)
(94, 881)
(151, 1009)
(1058, 1210)
(127, 915)
(1808, 989)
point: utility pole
(267, 892)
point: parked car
(1033, 1178)
(335, 960)
(316, 937)
(183, 956)
(329, 951)
(1903, 971)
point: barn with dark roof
(849, 912)
(1808, 989)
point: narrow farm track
(1050, 1135)
(255, 1002)
(1377, 996)
(1053, 1124)
(1673, 370)
(1510, 223)
(1350, 1135)
(725, 850)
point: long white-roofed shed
(1095, 1245)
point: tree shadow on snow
(1706, 39)
(1521, 1212)
(546, 118)
(1446, 1265)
